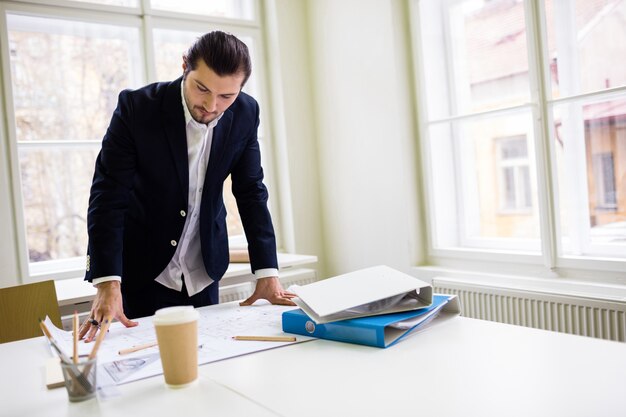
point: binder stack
(377, 306)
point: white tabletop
(457, 367)
(24, 393)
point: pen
(266, 338)
(136, 348)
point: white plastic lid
(175, 315)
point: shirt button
(173, 242)
(182, 213)
(200, 190)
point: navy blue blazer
(139, 193)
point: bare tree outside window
(66, 78)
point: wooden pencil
(103, 331)
(136, 348)
(266, 338)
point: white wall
(300, 127)
(363, 129)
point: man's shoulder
(246, 100)
(152, 93)
(245, 106)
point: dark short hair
(222, 52)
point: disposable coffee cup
(177, 336)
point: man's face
(207, 94)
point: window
(514, 174)
(604, 181)
(235, 9)
(67, 67)
(523, 121)
(65, 75)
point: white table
(23, 393)
(458, 367)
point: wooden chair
(22, 306)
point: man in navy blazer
(156, 220)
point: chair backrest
(22, 306)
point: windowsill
(602, 291)
(76, 290)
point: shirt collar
(188, 118)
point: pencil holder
(80, 379)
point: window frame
(145, 20)
(550, 262)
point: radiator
(562, 313)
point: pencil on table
(136, 348)
(266, 338)
(94, 350)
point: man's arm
(110, 193)
(108, 202)
(251, 195)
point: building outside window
(523, 113)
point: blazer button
(182, 213)
(173, 242)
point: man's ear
(184, 63)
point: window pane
(586, 44)
(484, 45)
(590, 146)
(235, 9)
(66, 76)
(55, 187)
(169, 48)
(495, 194)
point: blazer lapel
(221, 135)
(174, 126)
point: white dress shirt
(187, 259)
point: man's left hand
(270, 289)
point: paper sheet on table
(216, 327)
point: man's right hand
(107, 304)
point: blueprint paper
(216, 327)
